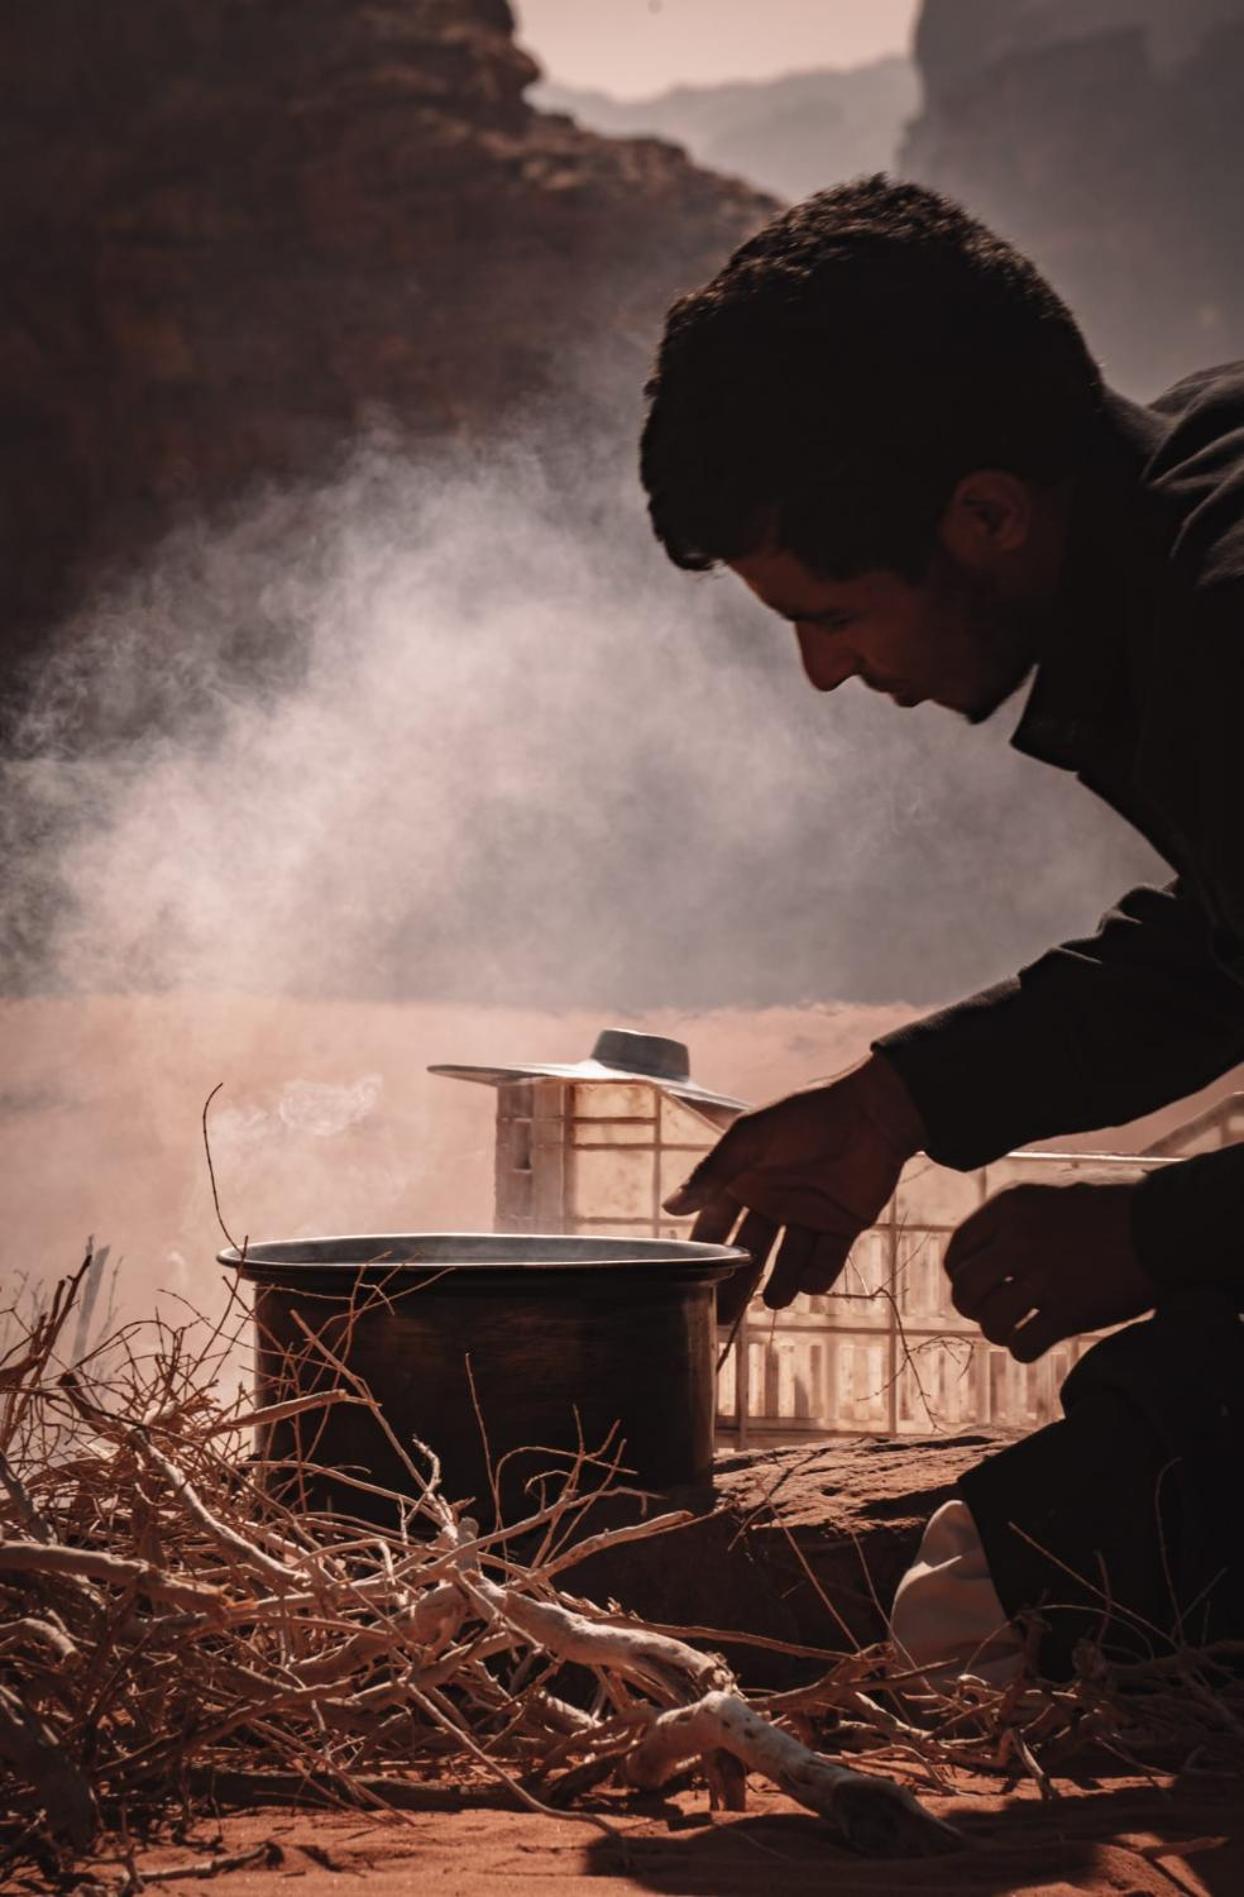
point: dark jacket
(1141, 694)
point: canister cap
(619, 1054)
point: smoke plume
(451, 730)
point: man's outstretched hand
(1040, 1263)
(817, 1166)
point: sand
(327, 1121)
(1123, 1836)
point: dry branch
(50, 1558)
(666, 1668)
(873, 1814)
(176, 1619)
(268, 1854)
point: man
(887, 424)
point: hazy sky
(633, 47)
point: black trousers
(1123, 1523)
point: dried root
(872, 1814)
(177, 1619)
(171, 1616)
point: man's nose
(827, 663)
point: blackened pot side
(561, 1337)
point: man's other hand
(817, 1166)
(1037, 1264)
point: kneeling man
(885, 422)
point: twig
(211, 1173)
(269, 1854)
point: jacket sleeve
(1094, 1034)
(1151, 1007)
(1188, 1222)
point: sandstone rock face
(233, 233)
(1105, 140)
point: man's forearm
(1096, 1033)
(1188, 1223)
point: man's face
(952, 639)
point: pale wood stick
(37, 1557)
(615, 1537)
(666, 1667)
(872, 1814)
(269, 1853)
(281, 1412)
(32, 1627)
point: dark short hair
(844, 370)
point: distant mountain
(957, 41)
(789, 136)
(1106, 139)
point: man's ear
(988, 518)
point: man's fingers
(828, 1262)
(717, 1221)
(1035, 1337)
(702, 1185)
(794, 1253)
(755, 1236)
(737, 1148)
(974, 1236)
(686, 1199)
(1004, 1308)
(975, 1282)
(806, 1261)
(1018, 1214)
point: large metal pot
(547, 1341)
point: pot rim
(507, 1255)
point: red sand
(1124, 1837)
(328, 1122)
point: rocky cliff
(958, 40)
(790, 135)
(1106, 139)
(234, 233)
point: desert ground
(1118, 1836)
(328, 1121)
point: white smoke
(443, 762)
(445, 730)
